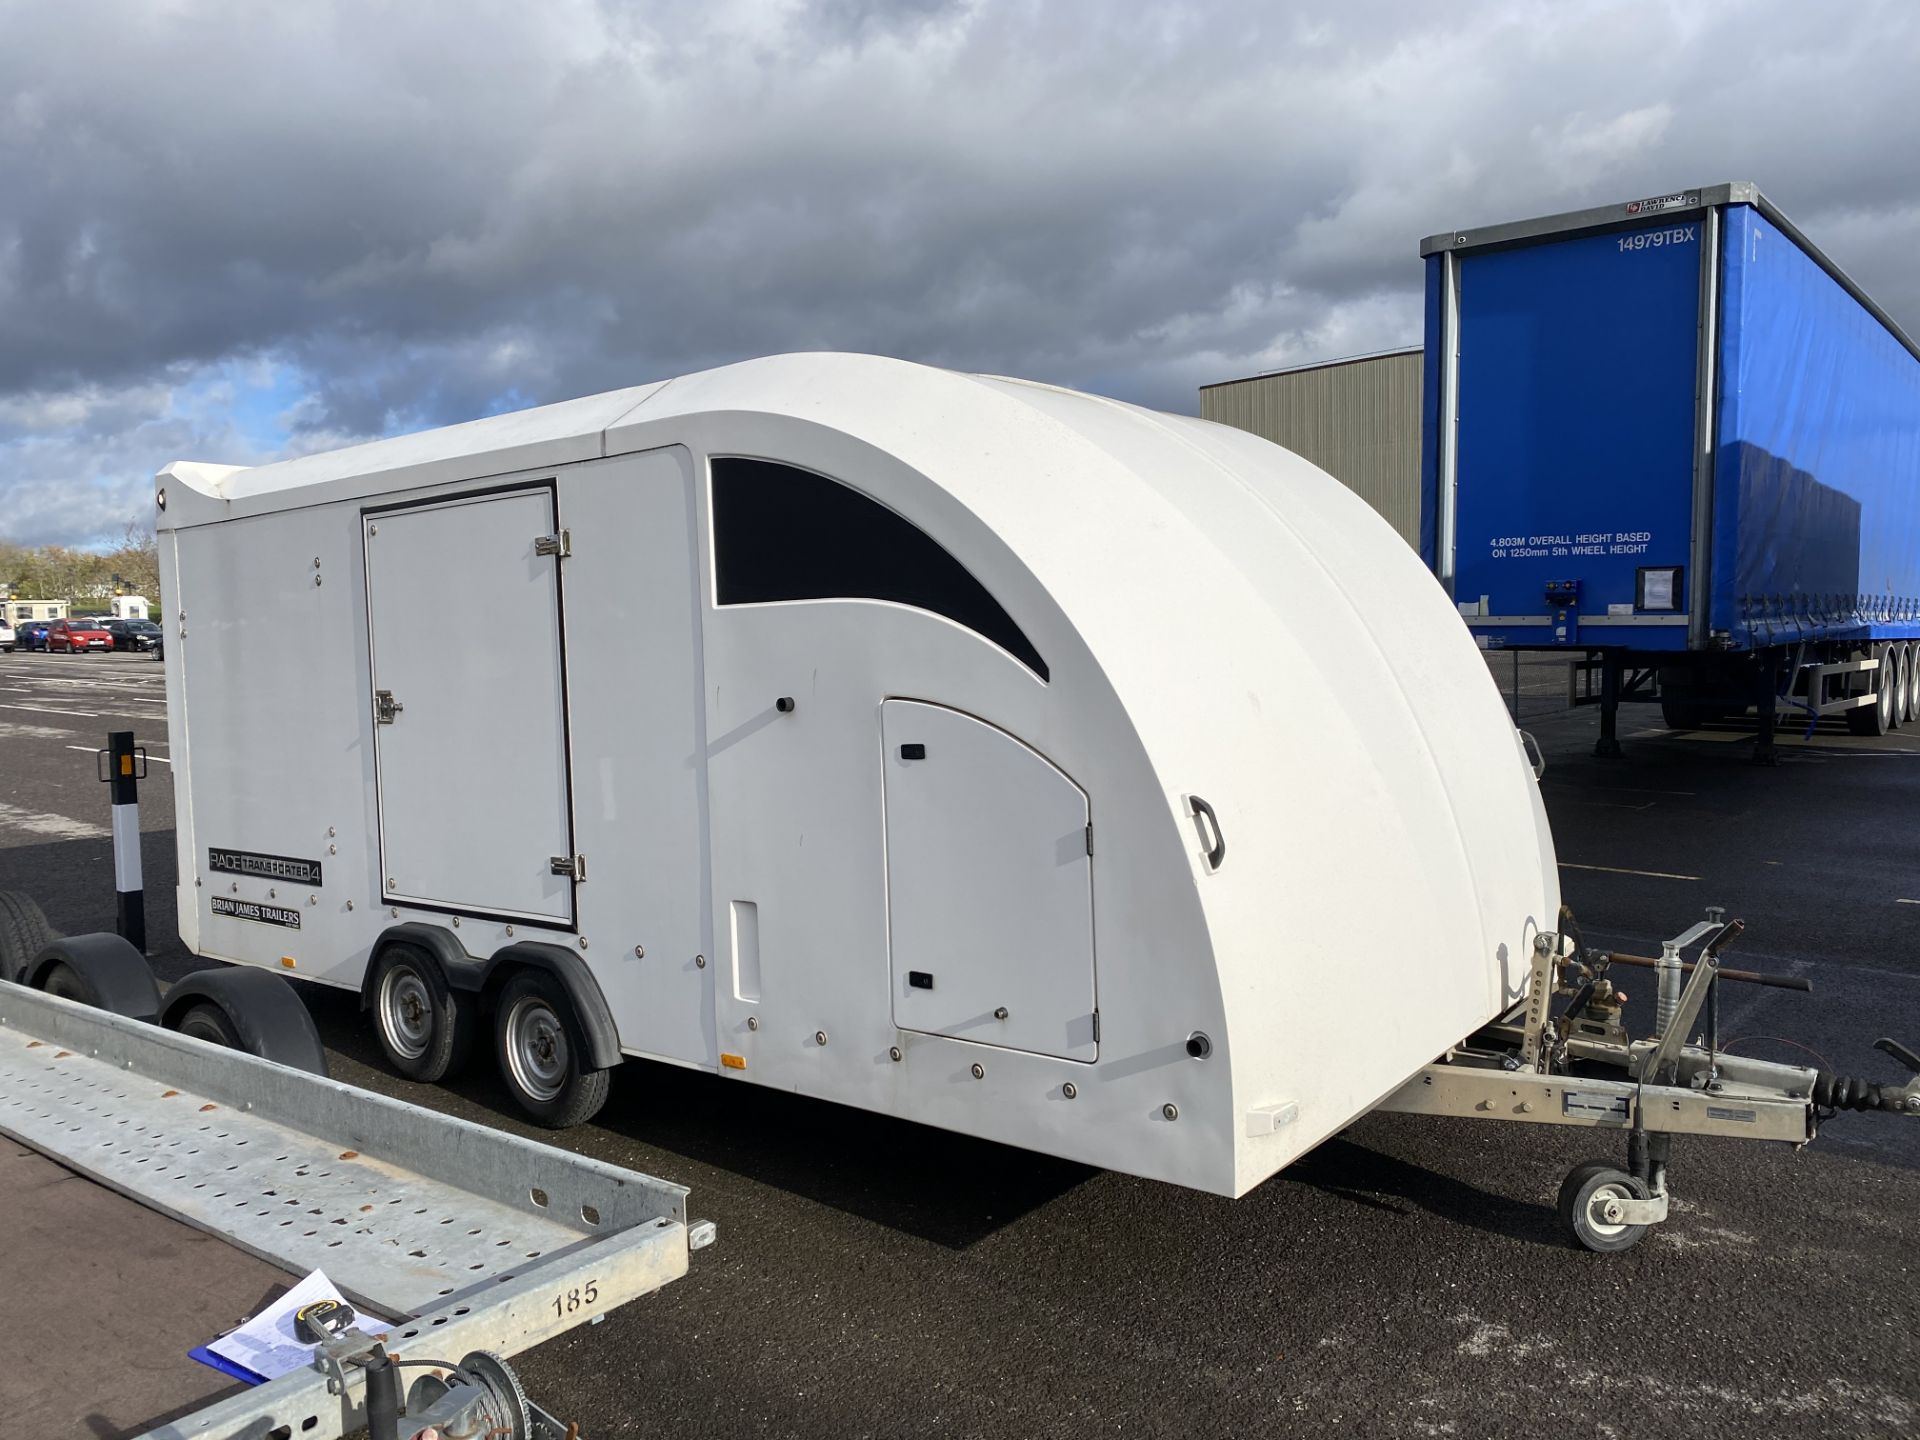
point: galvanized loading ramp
(464, 1237)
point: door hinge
(1096, 1027)
(1089, 837)
(574, 865)
(385, 707)
(561, 544)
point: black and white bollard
(126, 765)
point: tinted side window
(780, 533)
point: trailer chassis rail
(1579, 1068)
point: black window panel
(781, 533)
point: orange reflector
(126, 764)
(287, 960)
(733, 1062)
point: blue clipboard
(225, 1366)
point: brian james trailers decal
(263, 867)
(251, 910)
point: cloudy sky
(231, 230)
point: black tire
(1681, 715)
(207, 1021)
(543, 1054)
(1587, 1184)
(24, 933)
(424, 1026)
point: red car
(75, 636)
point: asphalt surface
(875, 1278)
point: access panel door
(469, 705)
(989, 886)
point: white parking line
(47, 710)
(95, 750)
(1616, 870)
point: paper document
(267, 1345)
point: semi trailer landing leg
(1607, 747)
(1579, 1067)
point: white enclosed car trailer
(927, 742)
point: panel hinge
(561, 544)
(1096, 1027)
(1089, 837)
(573, 865)
(385, 707)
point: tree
(55, 572)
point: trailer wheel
(1877, 719)
(24, 933)
(1586, 1187)
(1681, 715)
(1910, 683)
(101, 970)
(247, 1009)
(425, 1026)
(542, 1053)
(207, 1021)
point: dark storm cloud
(411, 214)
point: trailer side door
(989, 886)
(469, 704)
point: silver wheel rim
(406, 1012)
(536, 1048)
(1596, 1218)
(1887, 662)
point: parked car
(73, 637)
(7, 638)
(32, 634)
(159, 647)
(133, 634)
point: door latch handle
(1217, 843)
(385, 707)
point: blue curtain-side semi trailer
(1674, 439)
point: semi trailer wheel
(1583, 1197)
(542, 1053)
(1910, 691)
(425, 1027)
(250, 1010)
(1877, 719)
(1681, 715)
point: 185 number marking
(576, 1299)
(1654, 239)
